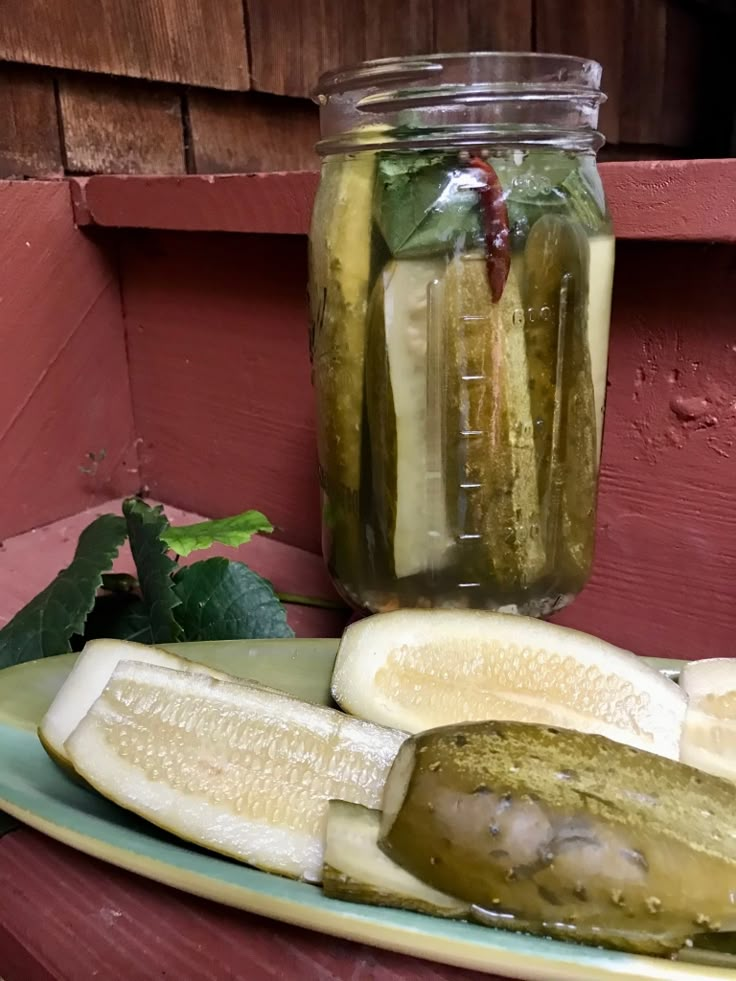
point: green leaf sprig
(213, 599)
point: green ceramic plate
(35, 791)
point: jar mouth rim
(414, 68)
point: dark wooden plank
(29, 132)
(192, 41)
(76, 919)
(65, 391)
(686, 86)
(663, 72)
(220, 375)
(677, 200)
(32, 559)
(476, 25)
(653, 152)
(121, 126)
(645, 55)
(293, 43)
(393, 29)
(591, 30)
(247, 133)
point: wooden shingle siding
(115, 125)
(233, 132)
(292, 43)
(237, 74)
(476, 25)
(29, 131)
(201, 42)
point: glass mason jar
(461, 263)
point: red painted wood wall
(67, 439)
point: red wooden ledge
(278, 203)
(675, 200)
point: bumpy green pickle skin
(563, 402)
(568, 834)
(381, 423)
(339, 283)
(491, 457)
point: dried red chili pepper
(496, 228)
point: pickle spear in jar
(563, 401)
(491, 464)
(340, 259)
(406, 467)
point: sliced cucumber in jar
(408, 484)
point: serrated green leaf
(46, 625)
(223, 600)
(122, 616)
(184, 539)
(155, 568)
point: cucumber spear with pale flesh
(240, 769)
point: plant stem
(324, 604)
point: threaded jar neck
(516, 99)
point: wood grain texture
(687, 88)
(677, 200)
(476, 25)
(666, 555)
(65, 390)
(28, 562)
(217, 342)
(247, 133)
(643, 92)
(67, 917)
(590, 30)
(190, 41)
(293, 41)
(30, 145)
(662, 74)
(119, 126)
(396, 29)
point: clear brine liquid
(459, 435)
